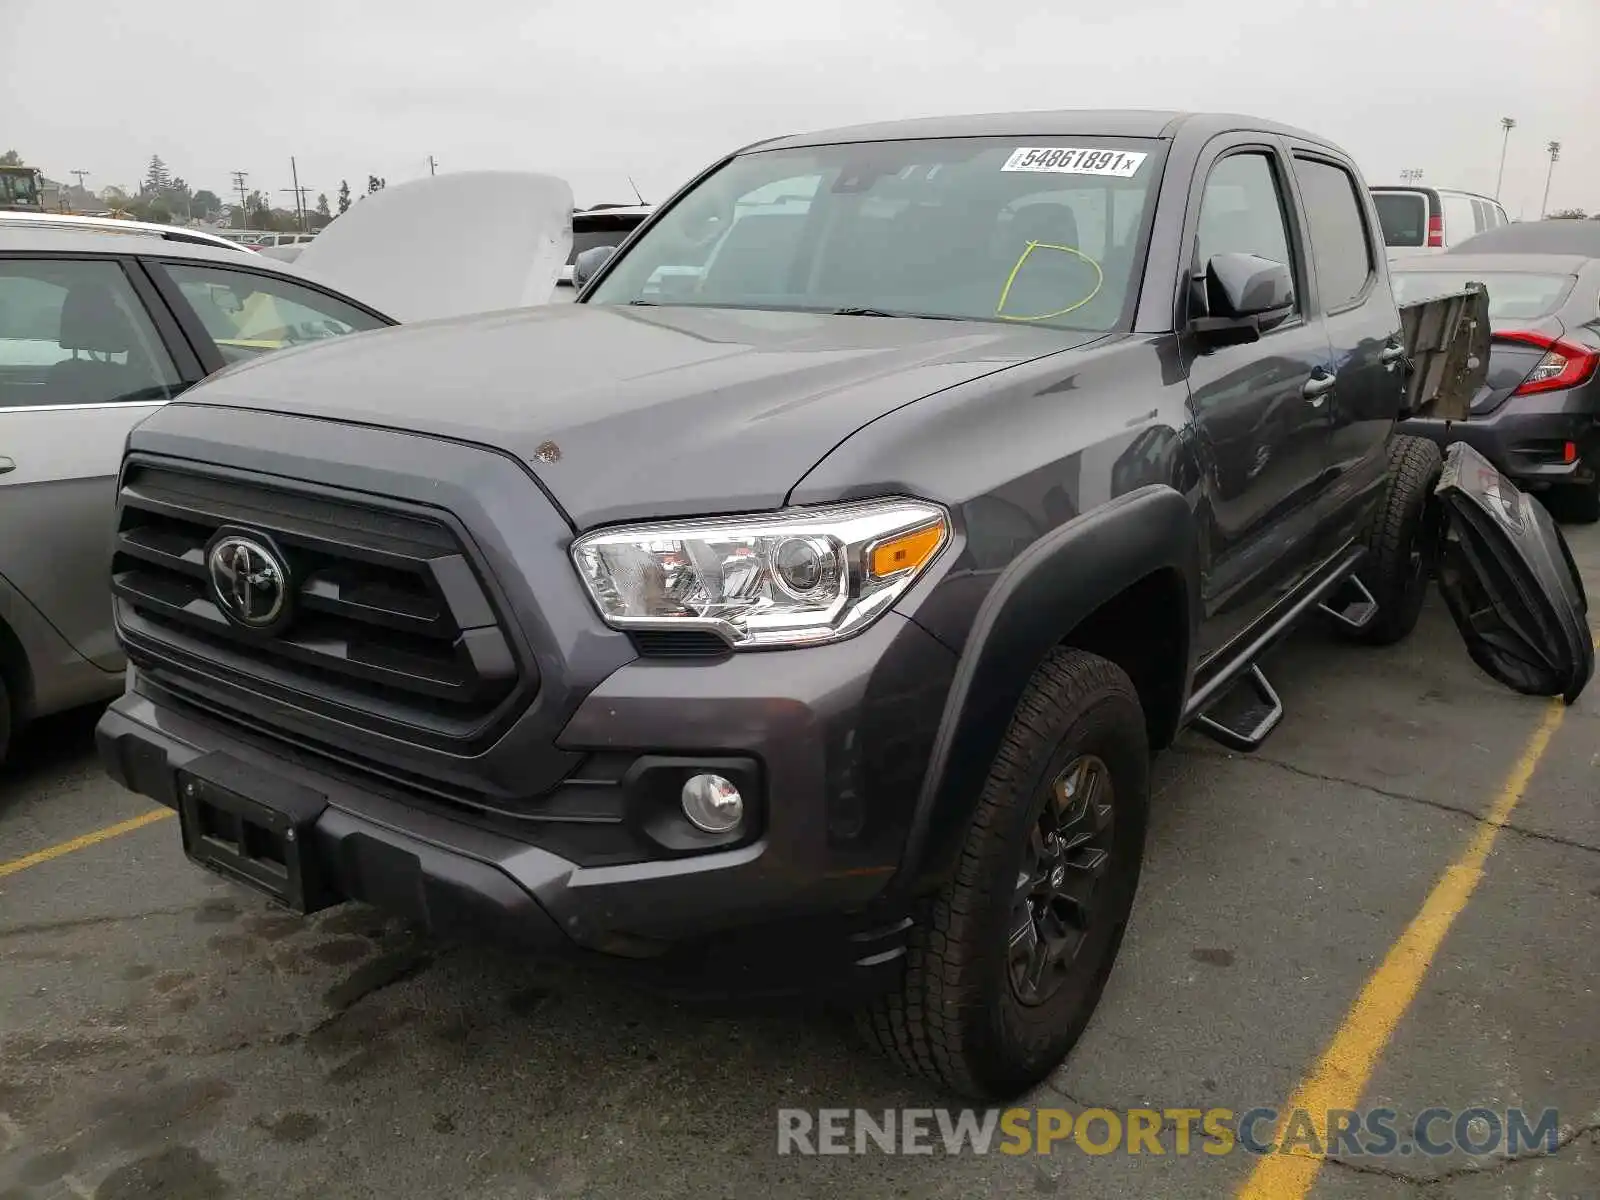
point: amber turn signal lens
(905, 551)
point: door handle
(1316, 388)
(7, 464)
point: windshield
(1404, 217)
(1512, 295)
(968, 228)
(19, 186)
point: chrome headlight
(783, 579)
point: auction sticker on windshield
(1070, 160)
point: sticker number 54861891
(1070, 160)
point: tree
(344, 195)
(10, 159)
(157, 178)
(1572, 214)
(374, 184)
(206, 203)
(323, 210)
(258, 211)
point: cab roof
(1114, 122)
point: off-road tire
(1404, 527)
(956, 1019)
(1578, 503)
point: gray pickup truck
(801, 607)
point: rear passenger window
(1339, 243)
(74, 332)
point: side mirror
(587, 263)
(1245, 295)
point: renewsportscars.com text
(1376, 1132)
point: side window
(1242, 212)
(1340, 246)
(249, 315)
(74, 332)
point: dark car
(1537, 418)
(800, 608)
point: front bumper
(794, 907)
(1523, 435)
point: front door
(80, 364)
(1259, 409)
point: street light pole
(1555, 153)
(1507, 124)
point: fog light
(712, 803)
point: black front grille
(389, 623)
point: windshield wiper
(856, 310)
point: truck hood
(637, 412)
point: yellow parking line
(1341, 1074)
(84, 841)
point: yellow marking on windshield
(1099, 280)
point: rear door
(1460, 218)
(1351, 288)
(1259, 409)
(86, 352)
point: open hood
(1510, 583)
(448, 245)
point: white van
(1426, 220)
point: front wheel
(1007, 964)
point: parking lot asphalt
(1309, 923)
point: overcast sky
(602, 90)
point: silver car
(97, 330)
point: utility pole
(1555, 153)
(80, 175)
(299, 194)
(432, 165)
(244, 203)
(1506, 124)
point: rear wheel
(1007, 965)
(5, 720)
(1402, 541)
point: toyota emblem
(249, 580)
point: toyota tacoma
(799, 609)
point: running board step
(1351, 605)
(1254, 724)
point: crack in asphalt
(1441, 805)
(1427, 1183)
